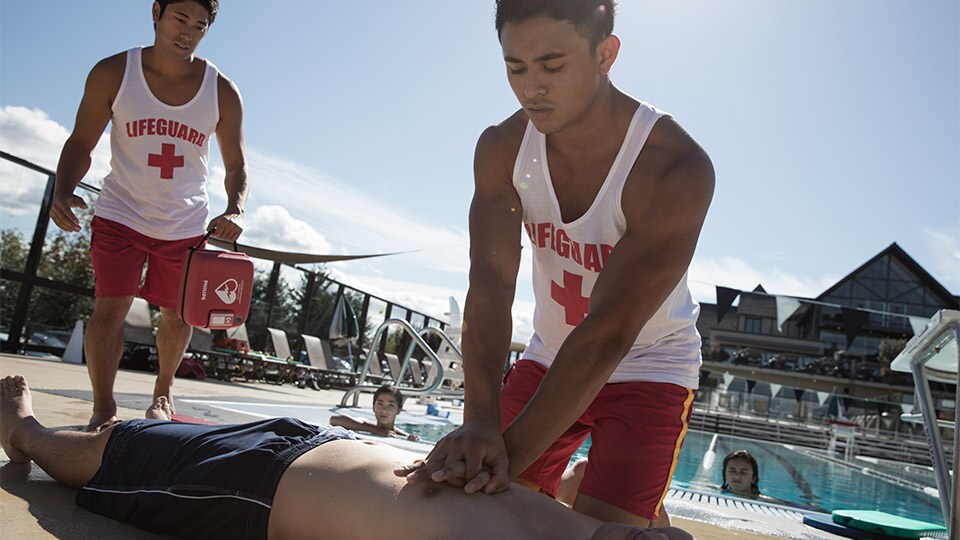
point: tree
(65, 258)
(887, 351)
(321, 305)
(284, 314)
(13, 256)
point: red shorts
(118, 254)
(636, 430)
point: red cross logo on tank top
(167, 160)
(575, 305)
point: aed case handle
(216, 318)
(207, 236)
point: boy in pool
(387, 404)
(276, 478)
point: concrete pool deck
(32, 505)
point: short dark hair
(393, 391)
(748, 457)
(210, 5)
(593, 18)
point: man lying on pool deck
(277, 478)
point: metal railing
(19, 327)
(433, 388)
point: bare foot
(616, 531)
(101, 421)
(16, 407)
(165, 391)
(159, 409)
(570, 482)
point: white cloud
(351, 220)
(272, 227)
(706, 273)
(30, 135)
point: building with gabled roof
(873, 303)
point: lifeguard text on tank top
(568, 259)
(157, 183)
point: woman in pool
(276, 479)
(741, 474)
(741, 477)
(387, 404)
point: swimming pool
(795, 474)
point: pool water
(796, 474)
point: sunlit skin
(556, 76)
(561, 82)
(180, 29)
(386, 409)
(739, 476)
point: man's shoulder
(106, 76)
(226, 86)
(503, 139)
(111, 66)
(672, 146)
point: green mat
(889, 524)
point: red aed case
(215, 288)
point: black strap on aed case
(186, 272)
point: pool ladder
(448, 368)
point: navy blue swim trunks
(198, 481)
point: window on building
(751, 325)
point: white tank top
(568, 258)
(157, 183)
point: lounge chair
(452, 370)
(408, 377)
(278, 368)
(235, 344)
(375, 374)
(213, 362)
(323, 365)
(417, 373)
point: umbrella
(344, 325)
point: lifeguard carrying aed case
(215, 287)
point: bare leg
(663, 520)
(70, 457)
(103, 344)
(608, 512)
(173, 336)
(347, 489)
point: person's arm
(229, 224)
(495, 225)
(351, 423)
(400, 434)
(92, 117)
(664, 212)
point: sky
(834, 127)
